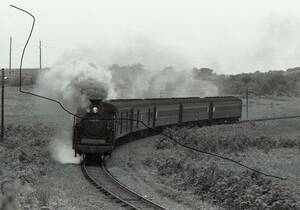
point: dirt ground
(31, 179)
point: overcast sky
(229, 36)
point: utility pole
(2, 104)
(247, 102)
(40, 46)
(10, 43)
(161, 93)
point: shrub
(229, 189)
(228, 138)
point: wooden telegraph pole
(40, 46)
(247, 102)
(10, 43)
(2, 104)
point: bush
(228, 138)
(229, 189)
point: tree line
(271, 83)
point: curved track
(105, 182)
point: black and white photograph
(150, 105)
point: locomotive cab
(93, 128)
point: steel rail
(108, 173)
(115, 190)
(269, 118)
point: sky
(231, 36)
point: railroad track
(105, 182)
(269, 118)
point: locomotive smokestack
(95, 102)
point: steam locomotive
(100, 127)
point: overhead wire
(128, 119)
(21, 64)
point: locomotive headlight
(88, 110)
(95, 109)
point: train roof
(159, 101)
(141, 102)
(223, 98)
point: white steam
(73, 81)
(61, 149)
(134, 81)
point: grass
(272, 147)
(24, 109)
(236, 138)
(26, 159)
(271, 107)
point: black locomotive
(100, 127)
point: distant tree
(136, 66)
(203, 72)
(246, 79)
(206, 71)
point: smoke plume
(74, 81)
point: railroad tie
(106, 193)
(132, 199)
(124, 205)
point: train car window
(193, 110)
(167, 113)
(228, 107)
